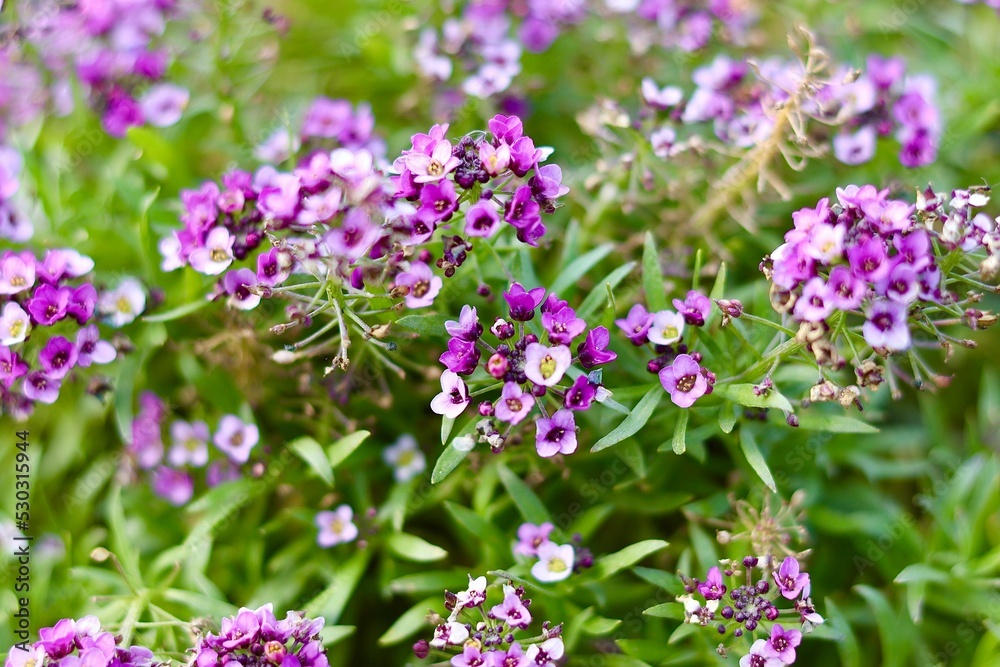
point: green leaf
(477, 527)
(847, 645)
(344, 447)
(432, 325)
(178, 312)
(331, 634)
(719, 288)
(636, 420)
(672, 610)
(918, 572)
(220, 504)
(447, 424)
(742, 394)
(312, 453)
(578, 268)
(414, 549)
(450, 457)
(608, 565)
(121, 545)
(815, 421)
(680, 431)
(411, 622)
(528, 504)
(894, 634)
(199, 603)
(597, 295)
(331, 601)
(727, 417)
(598, 625)
(755, 458)
(652, 276)
(660, 578)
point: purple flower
(12, 367)
(467, 327)
(581, 394)
(521, 210)
(482, 219)
(547, 184)
(530, 537)
(781, 644)
(556, 435)
(563, 325)
(216, 255)
(901, 284)
(844, 290)
(462, 356)
(713, 588)
(524, 156)
(857, 147)
(221, 471)
(423, 284)
(666, 328)
(174, 486)
(437, 202)
(146, 443)
(164, 104)
(507, 129)
(886, 326)
(815, 304)
(548, 653)
(636, 324)
(355, 236)
(237, 284)
(545, 366)
(512, 610)
(235, 438)
(17, 271)
(82, 302)
(514, 404)
(757, 657)
(469, 657)
(494, 159)
(91, 349)
(273, 267)
(124, 303)
(696, 307)
(190, 443)
(433, 166)
(241, 631)
(326, 118)
(512, 657)
(555, 562)
(58, 357)
(336, 527)
(453, 398)
(40, 387)
(47, 305)
(59, 640)
(593, 351)
(121, 113)
(869, 260)
(14, 324)
(523, 303)
(684, 381)
(789, 580)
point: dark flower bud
(422, 649)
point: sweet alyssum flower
(258, 636)
(79, 642)
(478, 632)
(528, 371)
(555, 562)
(405, 457)
(336, 527)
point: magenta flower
(556, 435)
(636, 324)
(757, 656)
(47, 305)
(235, 438)
(40, 387)
(482, 219)
(512, 610)
(82, 302)
(581, 394)
(545, 366)
(855, 147)
(512, 657)
(336, 527)
(815, 304)
(713, 588)
(164, 104)
(530, 537)
(58, 357)
(523, 303)
(869, 260)
(494, 159)
(886, 326)
(12, 367)
(684, 380)
(790, 581)
(563, 325)
(781, 644)
(507, 129)
(521, 210)
(433, 166)
(845, 291)
(546, 184)
(274, 267)
(469, 657)
(174, 486)
(423, 284)
(237, 284)
(696, 307)
(593, 351)
(353, 238)
(437, 202)
(453, 398)
(462, 356)
(91, 349)
(467, 327)
(514, 404)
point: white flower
(449, 634)
(667, 327)
(124, 303)
(555, 562)
(405, 458)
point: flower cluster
(753, 605)
(117, 51)
(679, 370)
(878, 257)
(487, 45)
(529, 369)
(684, 25)
(741, 101)
(40, 301)
(172, 468)
(555, 561)
(70, 643)
(255, 638)
(22, 92)
(490, 636)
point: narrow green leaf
(727, 417)
(672, 610)
(312, 453)
(450, 457)
(847, 644)
(660, 578)
(411, 622)
(699, 259)
(220, 504)
(598, 625)
(431, 325)
(598, 295)
(447, 424)
(636, 420)
(578, 268)
(331, 634)
(121, 545)
(921, 572)
(528, 504)
(680, 433)
(331, 600)
(608, 565)
(894, 634)
(477, 527)
(652, 276)
(742, 394)
(814, 421)
(199, 603)
(414, 549)
(344, 447)
(755, 458)
(178, 312)
(719, 288)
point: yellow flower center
(547, 367)
(557, 565)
